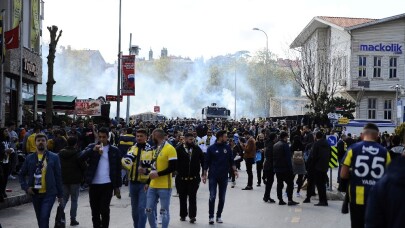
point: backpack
(298, 158)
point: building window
(377, 67)
(393, 67)
(372, 108)
(387, 109)
(362, 66)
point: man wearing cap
(363, 165)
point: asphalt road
(242, 209)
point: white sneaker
(298, 195)
(11, 177)
(219, 220)
(211, 221)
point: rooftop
(346, 22)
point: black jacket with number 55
(189, 167)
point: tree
(343, 106)
(51, 80)
(318, 74)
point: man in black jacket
(72, 175)
(282, 166)
(104, 176)
(318, 165)
(268, 173)
(190, 159)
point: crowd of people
(60, 161)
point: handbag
(60, 221)
(298, 159)
(258, 157)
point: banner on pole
(34, 24)
(17, 7)
(128, 75)
(85, 107)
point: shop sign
(396, 48)
(30, 68)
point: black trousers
(311, 184)
(259, 169)
(100, 198)
(249, 163)
(357, 214)
(6, 168)
(320, 182)
(299, 182)
(288, 178)
(187, 189)
(268, 176)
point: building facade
(365, 61)
(22, 67)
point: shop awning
(59, 102)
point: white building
(366, 56)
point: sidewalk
(16, 197)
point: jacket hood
(68, 152)
(396, 172)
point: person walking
(268, 172)
(318, 164)
(163, 165)
(103, 175)
(126, 141)
(44, 180)
(249, 148)
(363, 165)
(259, 158)
(218, 160)
(72, 175)
(190, 159)
(298, 163)
(137, 161)
(282, 166)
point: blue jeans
(43, 204)
(222, 183)
(153, 195)
(138, 204)
(71, 190)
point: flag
(11, 38)
(1, 40)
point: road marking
(295, 219)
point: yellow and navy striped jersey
(367, 162)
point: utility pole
(129, 97)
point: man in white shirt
(104, 177)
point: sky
(197, 28)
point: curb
(15, 201)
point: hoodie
(385, 205)
(72, 167)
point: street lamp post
(267, 69)
(119, 67)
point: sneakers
(322, 204)
(11, 177)
(281, 202)
(192, 220)
(307, 200)
(298, 195)
(211, 222)
(182, 219)
(233, 184)
(74, 223)
(219, 220)
(292, 203)
(269, 200)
